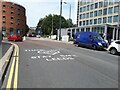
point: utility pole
(60, 20)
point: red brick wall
(14, 13)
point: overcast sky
(36, 9)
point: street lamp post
(69, 12)
(60, 20)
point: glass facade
(116, 8)
(105, 3)
(91, 14)
(87, 22)
(95, 13)
(100, 4)
(88, 7)
(83, 23)
(100, 13)
(105, 20)
(96, 5)
(99, 20)
(91, 22)
(110, 10)
(95, 21)
(115, 19)
(87, 15)
(105, 11)
(110, 19)
(92, 6)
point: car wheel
(94, 47)
(113, 51)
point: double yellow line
(14, 68)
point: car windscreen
(118, 42)
(97, 37)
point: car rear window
(118, 42)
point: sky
(37, 9)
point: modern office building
(101, 16)
(13, 18)
(98, 12)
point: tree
(47, 22)
(26, 29)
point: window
(11, 22)
(80, 9)
(110, 2)
(18, 14)
(96, 5)
(116, 1)
(99, 12)
(116, 9)
(91, 22)
(99, 20)
(88, 8)
(4, 22)
(4, 5)
(83, 23)
(105, 12)
(81, 3)
(4, 17)
(110, 10)
(110, 19)
(19, 9)
(118, 42)
(84, 9)
(87, 22)
(105, 3)
(100, 4)
(80, 23)
(95, 13)
(104, 20)
(11, 17)
(95, 21)
(4, 31)
(83, 16)
(11, 31)
(115, 19)
(11, 7)
(80, 16)
(91, 14)
(92, 6)
(12, 12)
(4, 11)
(87, 15)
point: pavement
(48, 39)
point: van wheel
(94, 47)
(113, 51)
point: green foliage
(26, 30)
(47, 22)
(71, 39)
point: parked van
(90, 39)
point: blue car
(90, 39)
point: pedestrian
(109, 38)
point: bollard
(24, 38)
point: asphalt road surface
(47, 64)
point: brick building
(13, 18)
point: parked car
(90, 39)
(15, 38)
(38, 36)
(114, 47)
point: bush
(71, 39)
